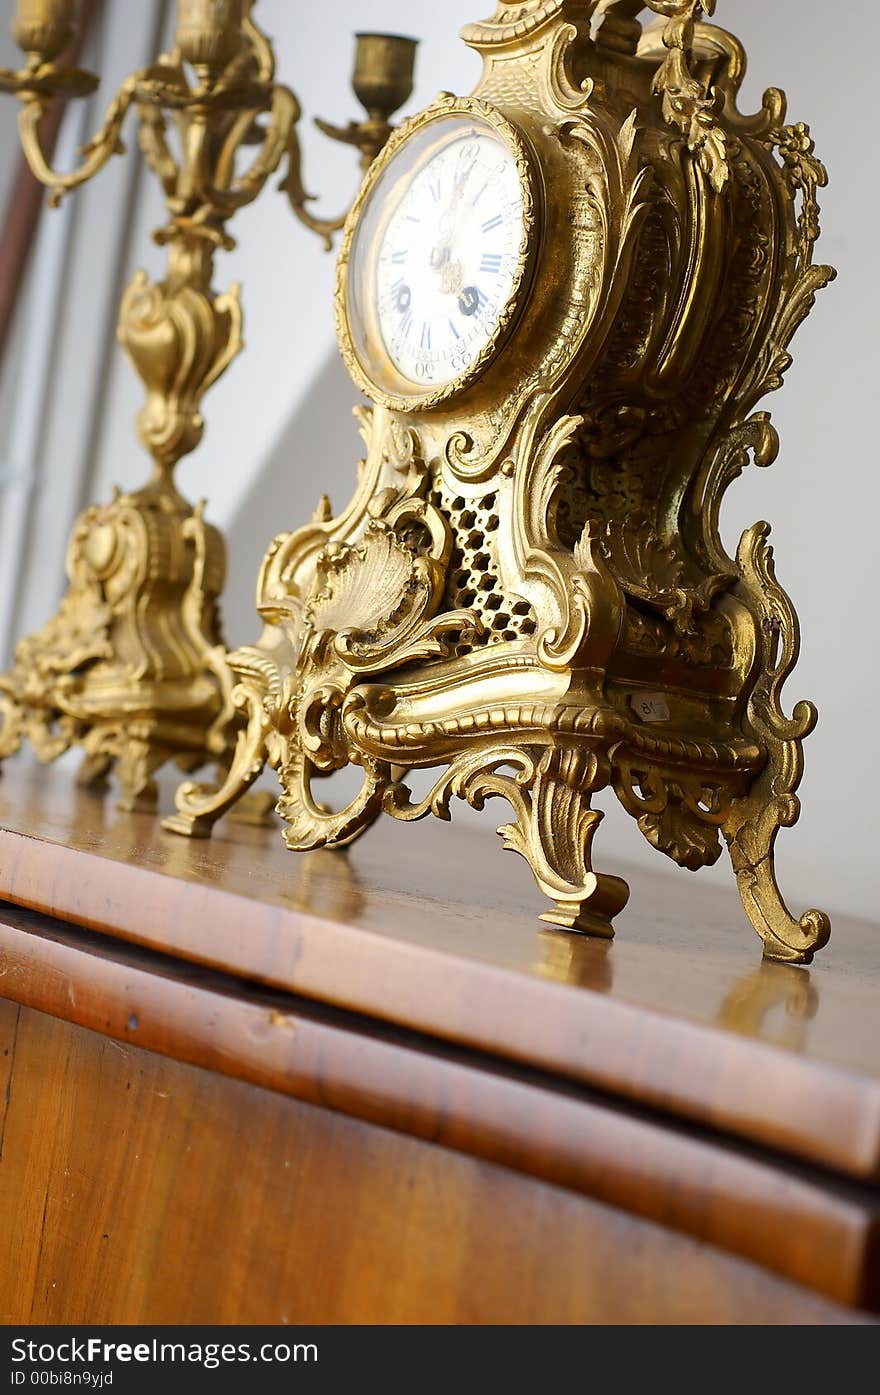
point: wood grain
(135, 1189)
(432, 929)
(803, 1225)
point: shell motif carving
(364, 590)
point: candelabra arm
(154, 147)
(284, 113)
(47, 79)
(382, 82)
(224, 171)
(369, 137)
(148, 85)
(104, 144)
(292, 186)
(260, 45)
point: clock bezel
(391, 393)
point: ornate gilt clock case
(528, 588)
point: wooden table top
(433, 929)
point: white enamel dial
(438, 255)
(448, 258)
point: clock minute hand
(458, 188)
(440, 251)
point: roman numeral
(399, 257)
(480, 194)
(491, 263)
(436, 190)
(406, 324)
(454, 330)
(493, 223)
(425, 342)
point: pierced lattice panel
(473, 582)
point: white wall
(279, 431)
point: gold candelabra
(131, 668)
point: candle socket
(384, 65)
(209, 32)
(44, 27)
(383, 72)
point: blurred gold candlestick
(131, 669)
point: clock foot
(554, 833)
(255, 809)
(754, 821)
(592, 908)
(550, 790)
(94, 772)
(136, 768)
(750, 842)
(199, 806)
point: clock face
(437, 258)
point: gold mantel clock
(564, 297)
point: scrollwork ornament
(528, 593)
(753, 823)
(676, 813)
(310, 824)
(550, 793)
(804, 173)
(687, 105)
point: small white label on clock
(651, 707)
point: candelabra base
(129, 668)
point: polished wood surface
(134, 1188)
(432, 929)
(789, 1219)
